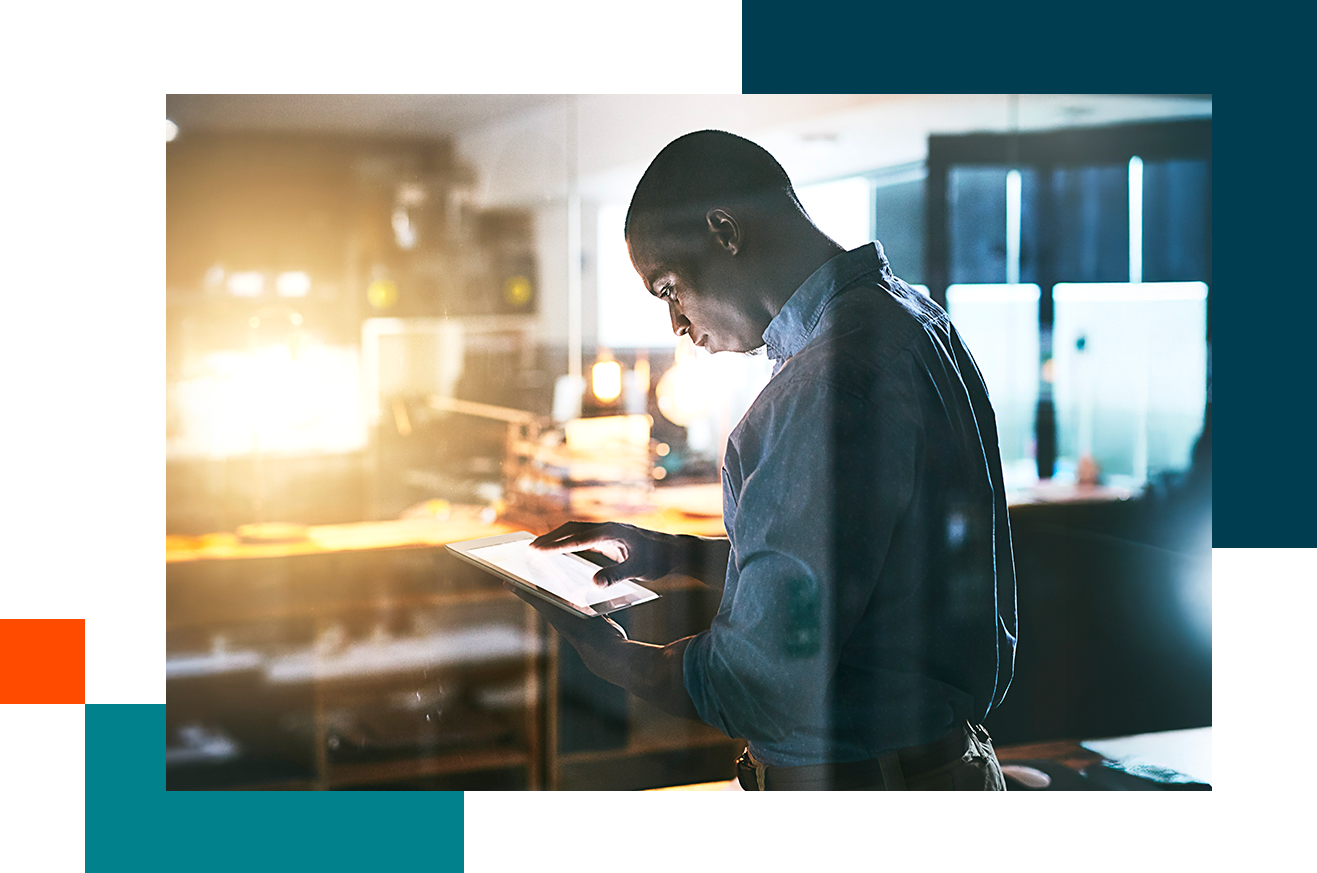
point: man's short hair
(702, 170)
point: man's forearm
(705, 559)
(652, 673)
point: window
(629, 317)
(898, 220)
(842, 209)
(1111, 229)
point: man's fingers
(570, 544)
(568, 536)
(576, 535)
(601, 539)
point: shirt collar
(796, 322)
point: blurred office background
(397, 321)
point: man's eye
(665, 293)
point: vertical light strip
(1136, 277)
(575, 340)
(1013, 227)
(1136, 219)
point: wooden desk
(462, 523)
(1164, 755)
(729, 785)
(1066, 762)
(676, 509)
(1065, 492)
(683, 509)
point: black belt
(885, 773)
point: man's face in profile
(704, 300)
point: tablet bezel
(463, 550)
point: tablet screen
(566, 576)
(572, 580)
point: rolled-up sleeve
(816, 478)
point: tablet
(564, 579)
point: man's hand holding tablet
(565, 580)
(651, 672)
(640, 554)
(637, 553)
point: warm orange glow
(247, 284)
(606, 379)
(382, 293)
(517, 290)
(293, 284)
(684, 392)
(269, 400)
(609, 433)
(642, 374)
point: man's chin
(757, 350)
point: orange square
(43, 660)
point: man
(867, 620)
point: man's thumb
(614, 574)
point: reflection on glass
(999, 324)
(1130, 368)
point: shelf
(647, 748)
(344, 775)
(326, 635)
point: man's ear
(725, 229)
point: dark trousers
(961, 761)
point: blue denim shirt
(870, 594)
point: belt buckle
(746, 762)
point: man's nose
(680, 325)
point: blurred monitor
(1130, 375)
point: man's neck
(797, 253)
